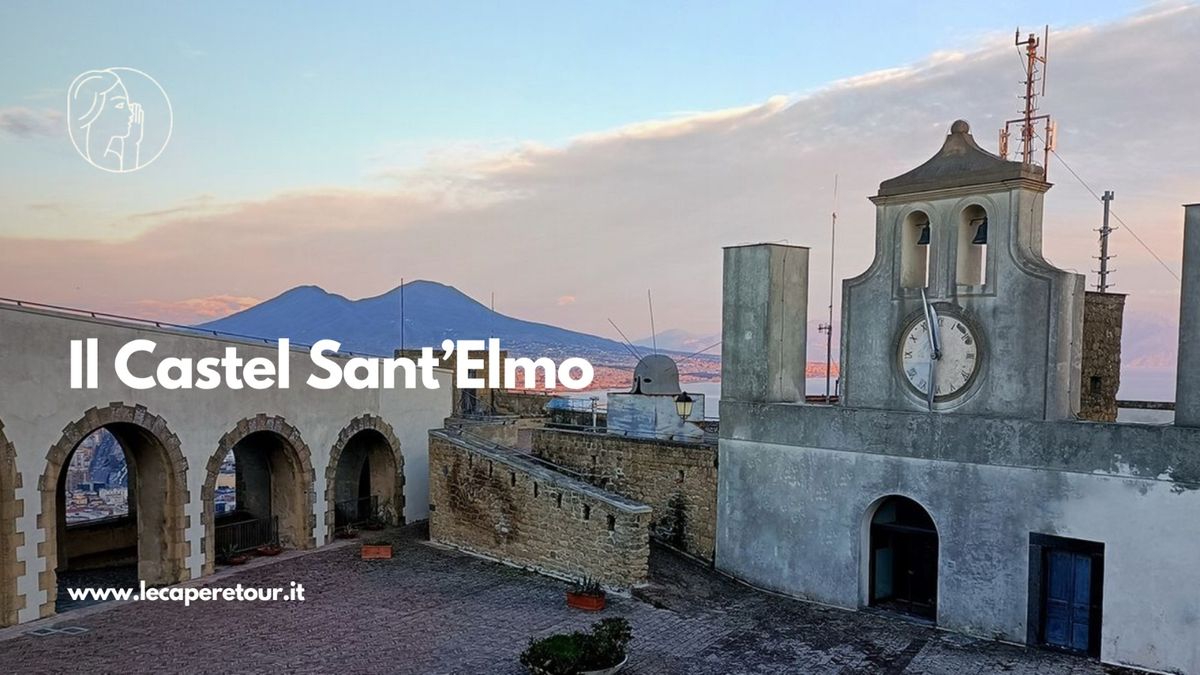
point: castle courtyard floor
(430, 610)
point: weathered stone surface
(1103, 314)
(494, 501)
(678, 480)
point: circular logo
(119, 119)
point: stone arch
(160, 472)
(391, 490)
(901, 556)
(298, 522)
(11, 538)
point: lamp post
(683, 405)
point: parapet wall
(494, 501)
(678, 480)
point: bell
(923, 239)
(980, 231)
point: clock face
(959, 362)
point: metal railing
(246, 535)
(352, 512)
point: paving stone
(429, 610)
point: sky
(564, 156)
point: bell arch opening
(915, 241)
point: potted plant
(602, 651)
(377, 549)
(586, 595)
(347, 532)
(374, 523)
(230, 556)
(271, 549)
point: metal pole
(829, 331)
(1105, 230)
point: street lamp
(683, 405)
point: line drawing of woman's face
(107, 125)
(116, 108)
(107, 117)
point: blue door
(1068, 600)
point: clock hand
(935, 351)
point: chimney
(1187, 379)
(1103, 315)
(764, 323)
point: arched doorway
(365, 477)
(267, 466)
(10, 481)
(120, 527)
(903, 558)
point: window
(971, 268)
(915, 239)
(587, 512)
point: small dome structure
(656, 374)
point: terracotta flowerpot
(377, 552)
(238, 559)
(269, 550)
(589, 602)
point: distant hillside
(432, 313)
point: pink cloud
(195, 310)
(649, 205)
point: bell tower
(959, 311)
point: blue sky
(271, 97)
(565, 156)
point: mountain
(680, 340)
(432, 313)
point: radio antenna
(827, 328)
(628, 345)
(1035, 61)
(653, 332)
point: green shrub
(573, 653)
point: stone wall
(494, 501)
(679, 481)
(1101, 369)
(521, 403)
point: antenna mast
(653, 335)
(827, 328)
(1102, 285)
(1035, 58)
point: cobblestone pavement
(430, 610)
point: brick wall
(494, 501)
(1101, 364)
(679, 481)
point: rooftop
(960, 162)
